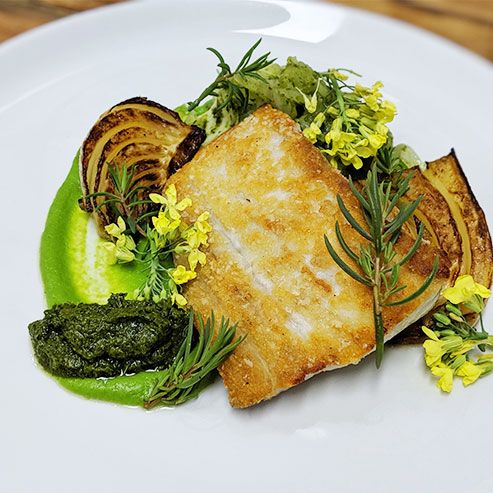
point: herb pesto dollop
(121, 337)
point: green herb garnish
(162, 233)
(193, 366)
(376, 260)
(245, 69)
(123, 202)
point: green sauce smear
(73, 269)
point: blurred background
(467, 22)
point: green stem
(340, 100)
(377, 314)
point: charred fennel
(194, 365)
(376, 262)
(151, 139)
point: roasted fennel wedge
(146, 138)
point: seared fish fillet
(272, 197)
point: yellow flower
(333, 111)
(118, 252)
(310, 134)
(110, 252)
(352, 113)
(178, 299)
(201, 223)
(157, 199)
(196, 256)
(464, 348)
(429, 333)
(337, 74)
(372, 102)
(124, 255)
(446, 381)
(464, 289)
(310, 103)
(434, 351)
(386, 112)
(163, 225)
(469, 373)
(116, 229)
(170, 199)
(125, 241)
(181, 275)
(197, 234)
(435, 347)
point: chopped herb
(121, 337)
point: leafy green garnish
(347, 122)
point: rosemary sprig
(193, 367)
(245, 69)
(123, 201)
(377, 262)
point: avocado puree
(73, 269)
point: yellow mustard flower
(310, 102)
(196, 256)
(163, 225)
(118, 253)
(372, 102)
(116, 229)
(178, 299)
(464, 348)
(352, 113)
(201, 223)
(446, 375)
(124, 255)
(110, 249)
(157, 199)
(386, 112)
(469, 372)
(314, 130)
(311, 133)
(464, 289)
(171, 199)
(125, 241)
(337, 74)
(196, 235)
(181, 275)
(434, 351)
(436, 348)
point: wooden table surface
(467, 22)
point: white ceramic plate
(356, 429)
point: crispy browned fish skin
(272, 197)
